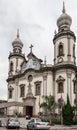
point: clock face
(31, 64)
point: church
(29, 78)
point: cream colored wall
(36, 77)
(50, 84)
(14, 63)
(71, 49)
(39, 77)
(63, 73)
(64, 40)
(20, 61)
(72, 88)
(58, 95)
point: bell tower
(64, 40)
(16, 57)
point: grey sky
(36, 20)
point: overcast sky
(36, 20)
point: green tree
(48, 105)
(67, 113)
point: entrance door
(29, 110)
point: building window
(22, 91)
(60, 49)
(74, 89)
(74, 50)
(37, 89)
(60, 87)
(11, 66)
(10, 93)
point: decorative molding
(10, 88)
(60, 34)
(60, 79)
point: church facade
(30, 79)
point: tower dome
(64, 21)
(17, 44)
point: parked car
(12, 123)
(37, 123)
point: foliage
(40, 113)
(67, 113)
(48, 105)
(57, 122)
(16, 112)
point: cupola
(17, 44)
(64, 21)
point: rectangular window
(10, 93)
(74, 89)
(22, 91)
(60, 87)
(37, 89)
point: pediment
(32, 63)
(60, 79)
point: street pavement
(63, 127)
(4, 128)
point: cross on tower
(31, 48)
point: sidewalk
(23, 122)
(62, 127)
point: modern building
(30, 78)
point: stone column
(76, 86)
(17, 93)
(69, 54)
(45, 84)
(69, 86)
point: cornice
(29, 70)
(63, 33)
(64, 66)
(53, 69)
(15, 54)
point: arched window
(11, 66)
(60, 49)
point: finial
(63, 7)
(17, 33)
(31, 48)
